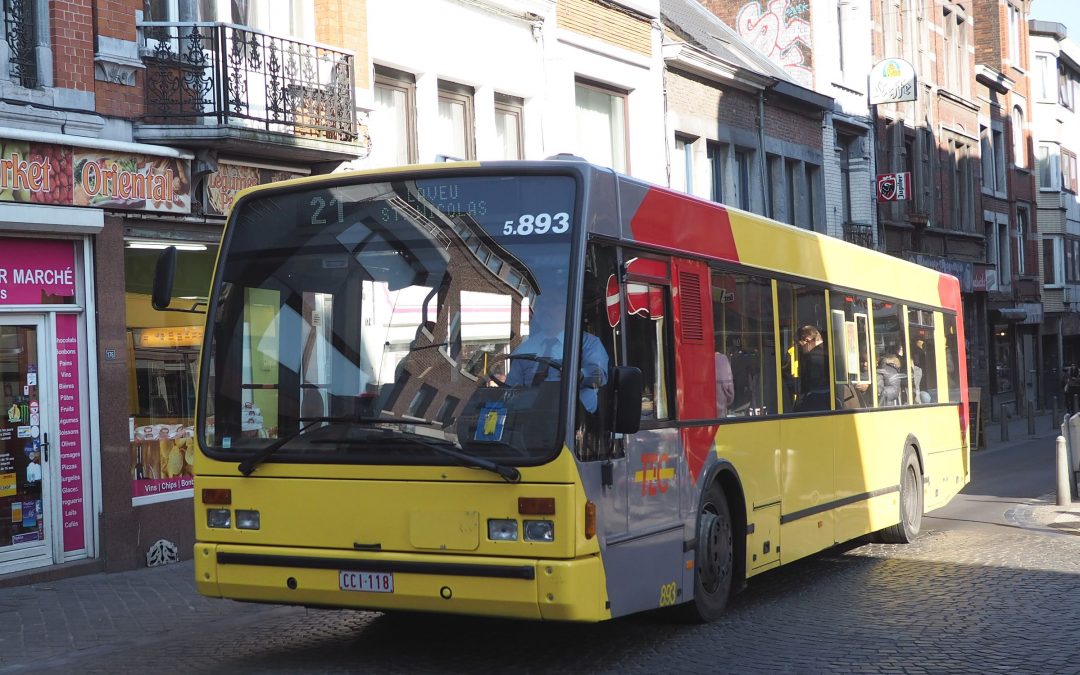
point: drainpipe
(766, 193)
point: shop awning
(30, 218)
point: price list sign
(67, 379)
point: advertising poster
(223, 185)
(70, 408)
(42, 173)
(161, 459)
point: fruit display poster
(37, 271)
(43, 173)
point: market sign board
(37, 271)
(893, 187)
(223, 185)
(44, 173)
(892, 81)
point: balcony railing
(216, 73)
(861, 234)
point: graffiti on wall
(780, 29)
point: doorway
(27, 536)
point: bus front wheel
(911, 503)
(713, 557)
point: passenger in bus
(813, 371)
(890, 378)
(546, 329)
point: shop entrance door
(27, 538)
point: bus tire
(714, 558)
(911, 503)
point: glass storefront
(163, 350)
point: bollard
(1004, 435)
(1031, 419)
(1064, 492)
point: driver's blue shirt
(594, 364)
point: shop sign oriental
(43, 173)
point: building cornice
(994, 79)
(684, 56)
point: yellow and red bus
(386, 418)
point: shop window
(163, 353)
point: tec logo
(655, 475)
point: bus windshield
(387, 322)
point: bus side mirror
(164, 274)
(626, 392)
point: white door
(28, 453)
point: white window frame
(1018, 124)
(1049, 160)
(1015, 51)
(1020, 234)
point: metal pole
(1004, 435)
(1031, 419)
(1055, 417)
(1064, 492)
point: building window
(963, 183)
(601, 125)
(1065, 87)
(1051, 255)
(456, 123)
(715, 154)
(20, 29)
(811, 187)
(997, 252)
(509, 112)
(792, 192)
(1044, 77)
(682, 165)
(956, 51)
(1072, 260)
(1049, 162)
(742, 179)
(1014, 38)
(1019, 139)
(1023, 227)
(1068, 171)
(394, 118)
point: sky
(1061, 11)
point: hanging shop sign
(223, 185)
(43, 173)
(893, 187)
(892, 81)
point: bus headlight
(218, 518)
(502, 529)
(539, 530)
(247, 520)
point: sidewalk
(1042, 513)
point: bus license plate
(369, 582)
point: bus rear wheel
(714, 559)
(911, 503)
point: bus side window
(647, 345)
(743, 335)
(889, 348)
(600, 318)
(805, 359)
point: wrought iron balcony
(859, 233)
(243, 80)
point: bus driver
(546, 328)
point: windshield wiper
(508, 473)
(248, 465)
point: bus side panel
(807, 480)
(642, 572)
(753, 448)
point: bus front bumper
(561, 590)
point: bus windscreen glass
(383, 323)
